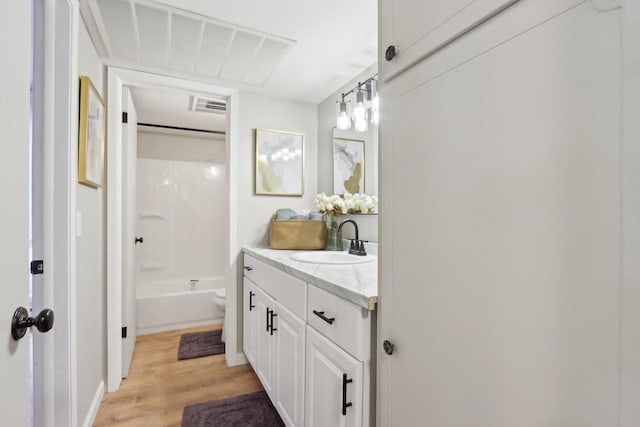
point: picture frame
(91, 135)
(348, 166)
(279, 163)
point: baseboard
(95, 405)
(175, 327)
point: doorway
(118, 79)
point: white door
(416, 29)
(501, 199)
(250, 321)
(290, 361)
(334, 386)
(15, 39)
(130, 157)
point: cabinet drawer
(289, 291)
(342, 322)
(251, 266)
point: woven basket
(297, 234)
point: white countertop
(357, 283)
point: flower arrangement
(348, 204)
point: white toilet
(220, 300)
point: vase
(334, 237)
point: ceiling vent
(151, 34)
(208, 105)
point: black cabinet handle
(139, 240)
(273, 314)
(321, 315)
(251, 295)
(246, 267)
(268, 312)
(345, 405)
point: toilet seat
(221, 293)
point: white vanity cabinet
(334, 384)
(274, 336)
(310, 348)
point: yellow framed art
(91, 136)
(279, 163)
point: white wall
(327, 111)
(90, 261)
(180, 145)
(254, 212)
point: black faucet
(357, 246)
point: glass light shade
(359, 112)
(375, 117)
(344, 121)
(361, 125)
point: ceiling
(302, 50)
(173, 108)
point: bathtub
(166, 306)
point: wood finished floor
(159, 386)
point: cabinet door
(250, 321)
(504, 307)
(333, 379)
(265, 349)
(419, 28)
(290, 362)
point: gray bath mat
(248, 410)
(200, 344)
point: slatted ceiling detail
(215, 43)
(118, 22)
(185, 41)
(271, 54)
(243, 49)
(153, 28)
(143, 32)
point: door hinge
(125, 117)
(37, 266)
(124, 332)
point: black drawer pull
(246, 267)
(273, 314)
(345, 405)
(251, 305)
(321, 315)
(268, 312)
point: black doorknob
(139, 240)
(390, 53)
(21, 321)
(388, 347)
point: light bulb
(343, 122)
(359, 111)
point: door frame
(117, 78)
(55, 135)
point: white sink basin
(330, 257)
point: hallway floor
(159, 386)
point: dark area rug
(200, 344)
(248, 410)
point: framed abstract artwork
(348, 166)
(91, 135)
(279, 163)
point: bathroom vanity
(309, 331)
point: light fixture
(363, 111)
(344, 121)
